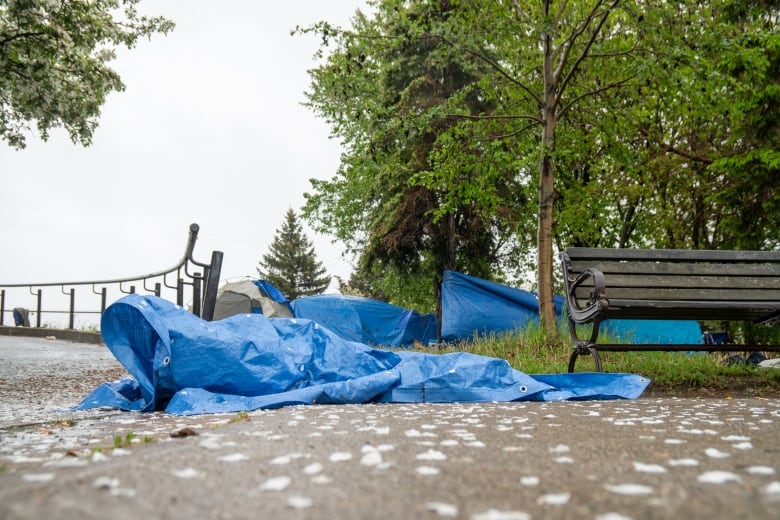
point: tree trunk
(544, 241)
(545, 233)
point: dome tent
(251, 296)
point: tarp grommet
(523, 388)
(166, 361)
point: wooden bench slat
(680, 255)
(758, 296)
(703, 282)
(703, 269)
(627, 306)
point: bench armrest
(597, 300)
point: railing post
(180, 293)
(212, 285)
(157, 289)
(102, 300)
(196, 293)
(71, 313)
(2, 305)
(38, 308)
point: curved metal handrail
(193, 236)
(204, 286)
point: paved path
(605, 460)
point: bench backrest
(683, 284)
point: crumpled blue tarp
(366, 320)
(475, 307)
(186, 365)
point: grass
(672, 373)
(130, 438)
(240, 416)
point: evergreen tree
(291, 264)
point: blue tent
(473, 306)
(668, 332)
(366, 320)
(186, 365)
(470, 307)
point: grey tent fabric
(245, 297)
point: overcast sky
(210, 129)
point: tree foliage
(291, 264)
(637, 124)
(383, 89)
(54, 62)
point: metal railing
(203, 286)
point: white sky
(210, 129)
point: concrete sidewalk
(606, 460)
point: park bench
(672, 284)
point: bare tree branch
(611, 86)
(535, 119)
(672, 149)
(493, 63)
(591, 40)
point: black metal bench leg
(573, 360)
(596, 358)
(582, 346)
(585, 350)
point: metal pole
(196, 293)
(71, 321)
(212, 285)
(180, 293)
(38, 317)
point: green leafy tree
(291, 263)
(54, 58)
(686, 156)
(540, 56)
(474, 141)
(382, 89)
(714, 120)
(647, 123)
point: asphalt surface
(601, 460)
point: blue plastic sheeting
(368, 321)
(665, 332)
(473, 306)
(271, 290)
(185, 365)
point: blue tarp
(186, 365)
(271, 290)
(472, 306)
(665, 332)
(368, 321)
